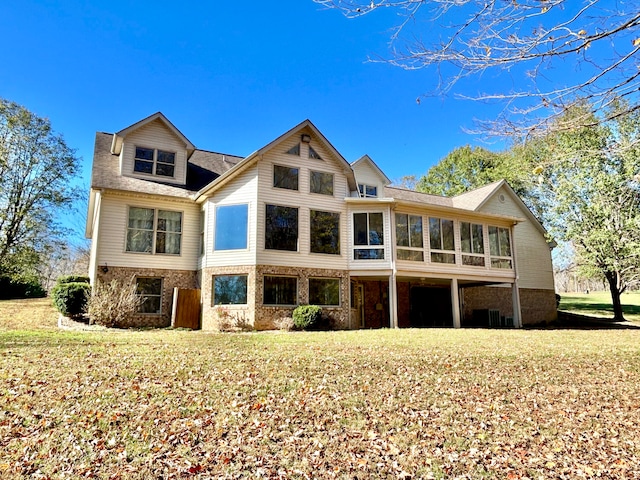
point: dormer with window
(371, 180)
(153, 149)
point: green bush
(71, 298)
(73, 279)
(20, 288)
(306, 316)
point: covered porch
(433, 302)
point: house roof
(202, 168)
(118, 138)
(367, 159)
(252, 158)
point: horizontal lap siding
(155, 135)
(367, 175)
(304, 201)
(113, 229)
(242, 189)
(533, 256)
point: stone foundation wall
(170, 279)
(214, 316)
(537, 306)
(266, 317)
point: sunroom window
(409, 237)
(368, 236)
(500, 247)
(472, 244)
(441, 240)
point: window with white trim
(154, 231)
(441, 240)
(154, 162)
(368, 236)
(472, 244)
(500, 247)
(367, 191)
(409, 237)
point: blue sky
(230, 75)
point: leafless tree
(558, 52)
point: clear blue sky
(230, 75)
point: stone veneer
(241, 313)
(537, 305)
(170, 279)
(267, 316)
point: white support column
(517, 312)
(393, 301)
(455, 302)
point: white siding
(154, 135)
(366, 174)
(242, 189)
(533, 256)
(113, 218)
(304, 201)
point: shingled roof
(202, 168)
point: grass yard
(598, 304)
(430, 403)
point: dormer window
(154, 162)
(367, 191)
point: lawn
(433, 403)
(598, 304)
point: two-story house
(294, 223)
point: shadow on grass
(573, 321)
(590, 307)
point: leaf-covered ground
(368, 404)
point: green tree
(467, 168)
(590, 181)
(36, 167)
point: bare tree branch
(559, 53)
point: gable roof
(119, 137)
(368, 160)
(253, 157)
(476, 199)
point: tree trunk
(614, 288)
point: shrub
(112, 304)
(71, 298)
(20, 288)
(229, 321)
(73, 279)
(306, 316)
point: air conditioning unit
(494, 318)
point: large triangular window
(295, 150)
(314, 154)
